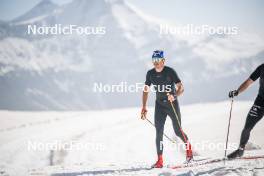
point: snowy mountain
(43, 8)
(57, 72)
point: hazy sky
(243, 13)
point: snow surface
(121, 143)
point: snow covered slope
(119, 143)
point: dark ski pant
(162, 109)
(255, 114)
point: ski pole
(227, 136)
(173, 108)
(163, 133)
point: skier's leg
(175, 122)
(160, 118)
(254, 115)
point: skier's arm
(241, 88)
(144, 102)
(244, 85)
(253, 77)
(179, 89)
(145, 97)
(178, 84)
(146, 90)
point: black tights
(162, 109)
(255, 114)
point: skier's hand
(143, 113)
(233, 93)
(171, 98)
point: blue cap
(158, 54)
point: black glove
(233, 93)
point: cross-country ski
(211, 161)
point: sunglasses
(156, 59)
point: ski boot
(235, 154)
(189, 153)
(159, 163)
